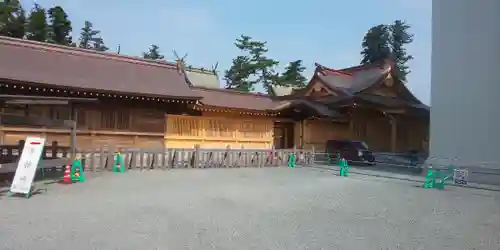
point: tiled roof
(62, 66)
(202, 78)
(234, 99)
(319, 108)
(353, 81)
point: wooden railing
(170, 158)
(193, 158)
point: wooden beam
(52, 98)
(37, 102)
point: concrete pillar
(465, 92)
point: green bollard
(429, 179)
(346, 168)
(77, 176)
(291, 160)
(440, 180)
(118, 164)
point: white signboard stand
(26, 168)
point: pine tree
(376, 46)
(90, 39)
(292, 77)
(7, 9)
(18, 25)
(255, 65)
(86, 35)
(60, 26)
(400, 37)
(12, 19)
(36, 27)
(237, 77)
(99, 44)
(153, 53)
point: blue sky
(324, 31)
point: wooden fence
(159, 158)
(11, 153)
(169, 158)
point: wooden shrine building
(367, 103)
(137, 103)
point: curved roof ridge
(231, 91)
(83, 52)
(200, 70)
(330, 70)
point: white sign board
(28, 163)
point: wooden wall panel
(317, 132)
(218, 132)
(148, 120)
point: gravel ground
(238, 209)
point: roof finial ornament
(181, 62)
(214, 68)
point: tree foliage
(237, 76)
(37, 27)
(7, 10)
(59, 27)
(388, 41)
(252, 68)
(293, 77)
(376, 44)
(90, 39)
(400, 37)
(12, 19)
(46, 26)
(153, 53)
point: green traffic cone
(346, 168)
(291, 161)
(343, 169)
(118, 164)
(77, 171)
(429, 179)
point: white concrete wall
(465, 92)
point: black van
(355, 152)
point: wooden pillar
(74, 121)
(165, 131)
(352, 133)
(394, 133)
(302, 129)
(2, 133)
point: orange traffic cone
(67, 174)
